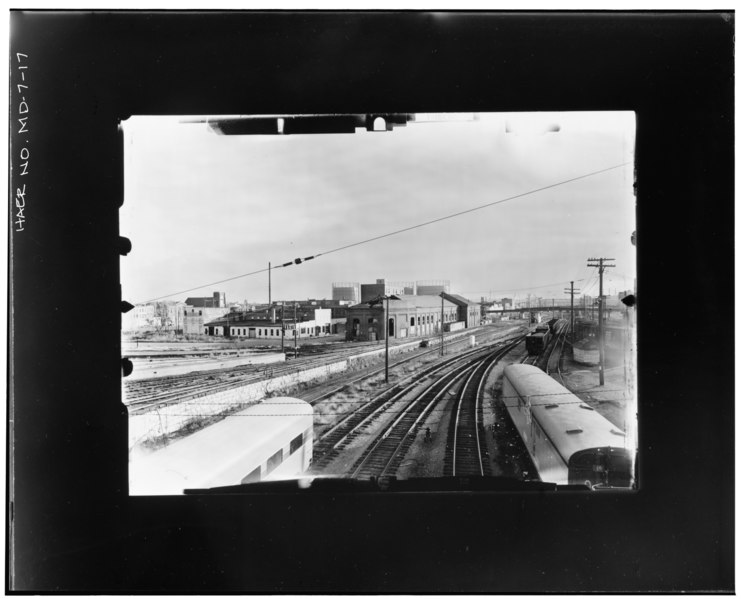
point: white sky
(201, 207)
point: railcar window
(274, 461)
(252, 477)
(296, 443)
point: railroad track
(143, 395)
(554, 355)
(385, 454)
(314, 399)
(466, 453)
(330, 443)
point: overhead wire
(403, 230)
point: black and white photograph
(378, 302)
(426, 296)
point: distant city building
(194, 318)
(349, 292)
(154, 316)
(430, 287)
(218, 300)
(370, 291)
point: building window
(412, 320)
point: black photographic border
(73, 527)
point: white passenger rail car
(268, 441)
(568, 441)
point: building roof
(458, 299)
(203, 302)
(409, 302)
(245, 322)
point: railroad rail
(145, 394)
(331, 442)
(370, 374)
(553, 359)
(466, 451)
(385, 454)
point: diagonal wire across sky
(399, 231)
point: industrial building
(218, 300)
(370, 291)
(468, 312)
(435, 287)
(304, 321)
(154, 316)
(346, 292)
(408, 316)
(199, 310)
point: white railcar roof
(570, 423)
(198, 456)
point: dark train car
(568, 441)
(552, 325)
(535, 342)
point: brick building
(409, 316)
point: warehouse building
(268, 325)
(408, 316)
(370, 291)
(430, 287)
(346, 292)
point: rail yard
(441, 407)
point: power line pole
(572, 292)
(386, 318)
(600, 263)
(442, 320)
(295, 332)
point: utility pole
(282, 326)
(386, 318)
(442, 321)
(572, 291)
(270, 298)
(295, 332)
(600, 263)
